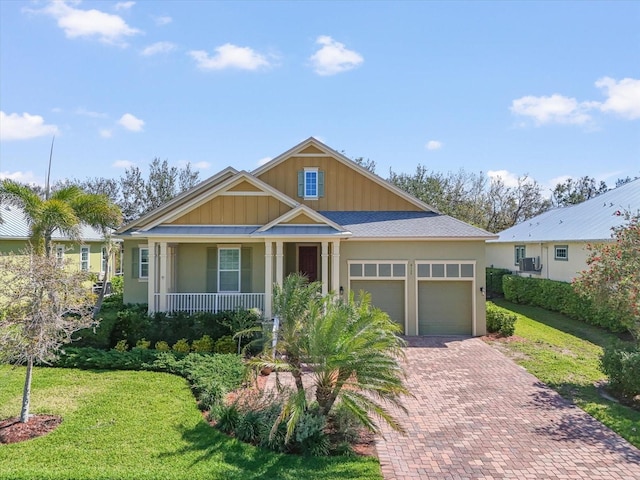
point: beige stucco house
(553, 245)
(224, 243)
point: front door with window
(308, 262)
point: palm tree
(64, 210)
(352, 350)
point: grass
(565, 354)
(142, 425)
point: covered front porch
(213, 275)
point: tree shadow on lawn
(242, 461)
(577, 426)
(559, 321)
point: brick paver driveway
(476, 414)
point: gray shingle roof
(15, 227)
(405, 225)
(302, 230)
(208, 230)
(588, 221)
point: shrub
(621, 363)
(500, 320)
(249, 426)
(226, 417)
(558, 297)
(143, 344)
(310, 437)
(225, 344)
(162, 346)
(203, 345)
(494, 280)
(121, 346)
(117, 285)
(181, 346)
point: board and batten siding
(235, 210)
(344, 187)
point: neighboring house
(86, 254)
(224, 243)
(553, 245)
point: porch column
(151, 279)
(268, 278)
(279, 262)
(325, 267)
(163, 260)
(335, 266)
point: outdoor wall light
(341, 290)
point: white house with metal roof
(553, 245)
(224, 243)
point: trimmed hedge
(621, 363)
(500, 320)
(494, 280)
(558, 297)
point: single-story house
(87, 255)
(553, 245)
(224, 243)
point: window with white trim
(229, 269)
(442, 270)
(60, 255)
(84, 259)
(143, 263)
(561, 252)
(377, 270)
(310, 183)
(520, 253)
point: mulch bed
(12, 430)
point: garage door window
(373, 270)
(439, 270)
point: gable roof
(312, 143)
(590, 220)
(406, 225)
(14, 226)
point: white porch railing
(210, 302)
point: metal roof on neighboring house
(14, 226)
(403, 224)
(587, 221)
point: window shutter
(135, 260)
(212, 269)
(301, 183)
(246, 271)
(321, 183)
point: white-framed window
(445, 269)
(84, 259)
(520, 253)
(103, 263)
(377, 269)
(60, 254)
(143, 263)
(561, 252)
(310, 183)
(229, 269)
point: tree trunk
(26, 393)
(98, 307)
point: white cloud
(105, 133)
(122, 164)
(333, 57)
(157, 48)
(508, 178)
(264, 160)
(77, 23)
(24, 127)
(22, 177)
(88, 113)
(554, 109)
(229, 56)
(623, 97)
(124, 5)
(131, 123)
(434, 145)
(201, 165)
(163, 20)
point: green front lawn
(565, 354)
(140, 425)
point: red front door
(308, 262)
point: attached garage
(387, 284)
(445, 292)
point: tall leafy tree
(574, 191)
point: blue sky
(549, 89)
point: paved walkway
(476, 414)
